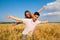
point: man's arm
(15, 18)
(44, 21)
(39, 10)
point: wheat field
(47, 31)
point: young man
(29, 23)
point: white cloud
(57, 0)
(53, 8)
(52, 11)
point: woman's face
(28, 14)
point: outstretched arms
(13, 17)
(39, 10)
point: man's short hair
(37, 13)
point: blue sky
(18, 7)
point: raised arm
(13, 17)
(39, 10)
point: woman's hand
(8, 16)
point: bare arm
(39, 10)
(13, 17)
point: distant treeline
(20, 22)
(53, 22)
(10, 22)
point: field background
(47, 31)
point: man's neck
(33, 20)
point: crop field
(47, 31)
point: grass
(48, 31)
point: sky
(18, 7)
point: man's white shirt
(29, 25)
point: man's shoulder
(26, 19)
(39, 21)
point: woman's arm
(13, 17)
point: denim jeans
(25, 36)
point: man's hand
(8, 16)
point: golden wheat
(48, 31)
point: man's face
(35, 17)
